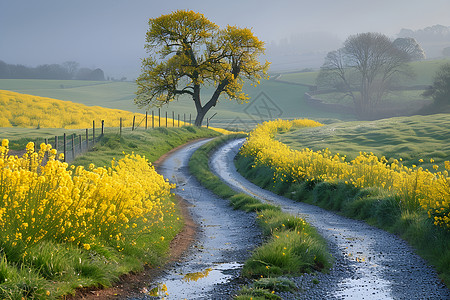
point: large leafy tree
(187, 51)
(365, 69)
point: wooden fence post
(173, 118)
(81, 148)
(87, 138)
(73, 146)
(184, 122)
(46, 143)
(159, 117)
(103, 127)
(153, 119)
(56, 143)
(64, 147)
(190, 119)
(93, 132)
(134, 119)
(120, 130)
(166, 119)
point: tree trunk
(199, 119)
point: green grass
(50, 270)
(410, 97)
(287, 236)
(408, 138)
(307, 78)
(425, 71)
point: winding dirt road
(369, 263)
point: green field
(307, 78)
(409, 138)
(424, 72)
(270, 99)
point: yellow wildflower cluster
(413, 186)
(42, 198)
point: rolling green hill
(409, 138)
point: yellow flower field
(413, 186)
(30, 111)
(55, 201)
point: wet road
(369, 263)
(211, 268)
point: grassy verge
(287, 237)
(373, 205)
(53, 267)
(151, 143)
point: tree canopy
(411, 47)
(187, 51)
(365, 69)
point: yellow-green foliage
(55, 201)
(23, 110)
(414, 186)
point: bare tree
(365, 69)
(410, 46)
(71, 67)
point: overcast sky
(109, 34)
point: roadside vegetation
(82, 226)
(287, 237)
(396, 194)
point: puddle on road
(197, 275)
(195, 284)
(362, 288)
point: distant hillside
(433, 39)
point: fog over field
(109, 34)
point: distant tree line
(65, 71)
(435, 39)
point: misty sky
(109, 34)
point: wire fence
(73, 144)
